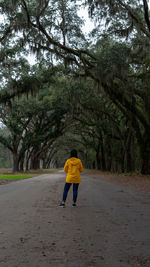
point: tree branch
(124, 101)
(5, 34)
(43, 9)
(79, 53)
(146, 14)
(135, 17)
(56, 52)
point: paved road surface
(110, 227)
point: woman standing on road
(73, 167)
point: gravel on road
(110, 226)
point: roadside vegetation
(15, 176)
(7, 176)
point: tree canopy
(91, 91)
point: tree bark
(98, 159)
(35, 163)
(103, 156)
(122, 160)
(44, 164)
(129, 167)
(15, 162)
(21, 164)
(145, 152)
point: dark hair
(74, 153)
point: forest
(89, 91)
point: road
(110, 227)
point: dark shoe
(74, 205)
(62, 205)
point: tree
(51, 26)
(120, 81)
(99, 128)
(121, 16)
(5, 154)
(33, 123)
(117, 67)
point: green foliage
(120, 18)
(34, 124)
(112, 60)
(5, 156)
(97, 100)
(14, 177)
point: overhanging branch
(84, 55)
(135, 17)
(146, 14)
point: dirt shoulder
(140, 183)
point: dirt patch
(2, 182)
(140, 183)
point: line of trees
(32, 126)
(96, 97)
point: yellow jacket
(73, 167)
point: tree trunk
(35, 159)
(103, 157)
(35, 163)
(15, 162)
(48, 164)
(27, 164)
(93, 165)
(21, 164)
(108, 157)
(44, 163)
(129, 161)
(122, 160)
(98, 159)
(145, 151)
(129, 167)
(27, 160)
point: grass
(15, 176)
(7, 175)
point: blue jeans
(66, 190)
